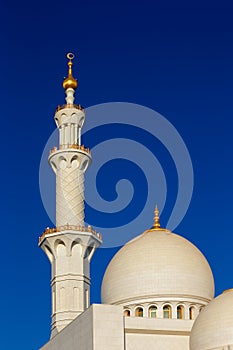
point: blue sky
(172, 57)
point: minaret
(70, 246)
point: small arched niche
(62, 163)
(74, 162)
(89, 252)
(167, 311)
(76, 249)
(139, 312)
(84, 165)
(152, 312)
(180, 312)
(191, 313)
(49, 253)
(126, 313)
(60, 248)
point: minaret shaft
(69, 197)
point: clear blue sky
(170, 56)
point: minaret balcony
(79, 229)
(74, 146)
(69, 105)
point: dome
(157, 263)
(213, 328)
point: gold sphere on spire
(70, 82)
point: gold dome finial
(156, 219)
(70, 82)
(156, 226)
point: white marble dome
(154, 264)
(213, 328)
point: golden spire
(156, 219)
(70, 82)
(156, 226)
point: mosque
(158, 290)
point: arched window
(191, 313)
(139, 312)
(153, 311)
(127, 313)
(179, 312)
(167, 311)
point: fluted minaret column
(70, 246)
